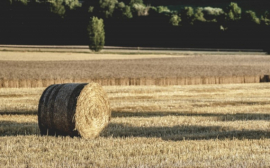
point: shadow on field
(182, 132)
(18, 113)
(176, 133)
(12, 128)
(219, 117)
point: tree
(251, 17)
(161, 9)
(122, 11)
(265, 19)
(96, 34)
(101, 8)
(212, 14)
(175, 19)
(199, 15)
(187, 15)
(132, 2)
(233, 12)
(107, 7)
(59, 7)
(265, 22)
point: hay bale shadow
(219, 117)
(12, 128)
(18, 112)
(176, 133)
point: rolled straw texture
(73, 109)
(93, 111)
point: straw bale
(73, 109)
(61, 109)
(92, 112)
(44, 109)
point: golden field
(224, 125)
(41, 69)
(151, 126)
(76, 66)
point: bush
(96, 34)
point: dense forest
(165, 23)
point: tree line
(131, 23)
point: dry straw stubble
(73, 109)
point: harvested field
(127, 69)
(151, 126)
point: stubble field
(151, 126)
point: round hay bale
(73, 109)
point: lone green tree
(96, 34)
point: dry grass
(176, 126)
(48, 66)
